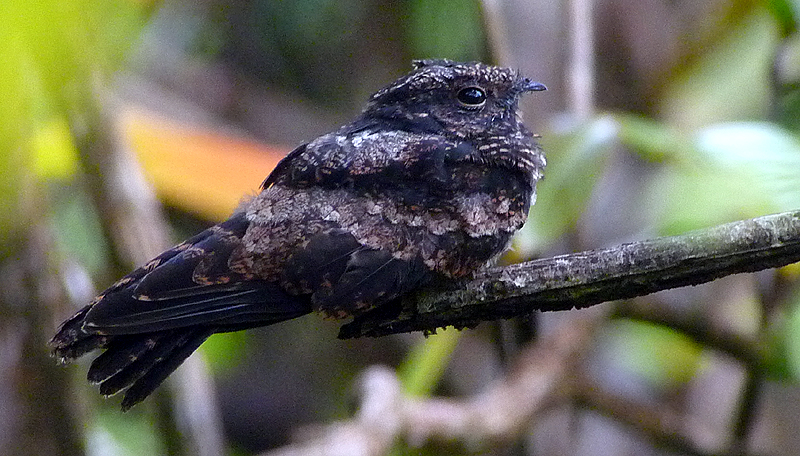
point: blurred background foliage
(697, 107)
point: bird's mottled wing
(194, 285)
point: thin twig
(751, 351)
(664, 426)
(746, 412)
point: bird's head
(460, 100)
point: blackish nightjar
(428, 183)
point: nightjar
(428, 183)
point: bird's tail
(151, 320)
(137, 363)
(140, 363)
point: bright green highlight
(54, 154)
(422, 369)
(661, 355)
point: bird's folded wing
(193, 285)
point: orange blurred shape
(200, 171)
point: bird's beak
(532, 86)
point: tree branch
(587, 278)
(662, 424)
(501, 412)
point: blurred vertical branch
(36, 410)
(494, 24)
(580, 72)
(56, 136)
(36, 406)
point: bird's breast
(452, 233)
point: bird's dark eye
(471, 97)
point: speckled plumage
(429, 182)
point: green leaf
(71, 44)
(782, 334)
(77, 228)
(54, 54)
(661, 355)
(225, 351)
(685, 199)
(785, 13)
(653, 141)
(730, 81)
(740, 170)
(14, 111)
(767, 152)
(124, 434)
